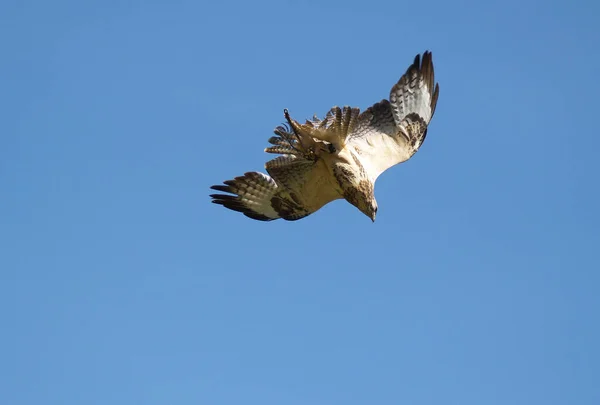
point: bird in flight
(340, 156)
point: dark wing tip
(258, 217)
(220, 187)
(238, 198)
(233, 203)
(417, 61)
(425, 67)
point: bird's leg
(290, 142)
(293, 124)
(329, 135)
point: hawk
(340, 156)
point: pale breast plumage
(340, 156)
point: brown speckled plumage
(340, 156)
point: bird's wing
(306, 186)
(249, 194)
(299, 183)
(391, 131)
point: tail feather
(284, 143)
(281, 149)
(252, 194)
(333, 129)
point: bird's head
(363, 198)
(370, 209)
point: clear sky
(121, 284)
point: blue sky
(121, 283)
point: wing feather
(296, 188)
(391, 132)
(251, 195)
(306, 184)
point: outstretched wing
(299, 183)
(391, 131)
(306, 186)
(249, 194)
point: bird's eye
(331, 148)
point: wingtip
(417, 61)
(426, 60)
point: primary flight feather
(340, 156)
